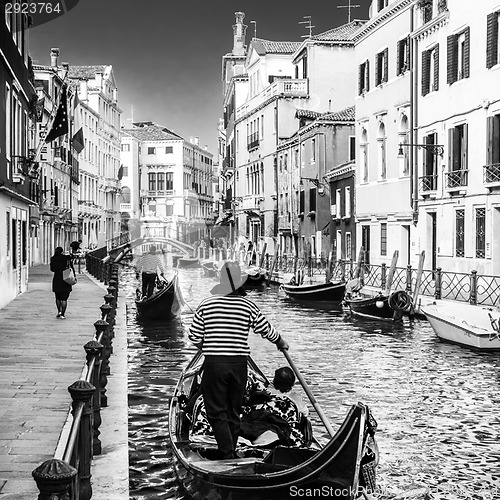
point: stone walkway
(40, 356)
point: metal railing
(68, 474)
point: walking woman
(58, 263)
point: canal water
(437, 404)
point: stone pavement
(40, 356)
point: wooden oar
(310, 395)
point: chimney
(239, 31)
(54, 55)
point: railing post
(437, 291)
(103, 326)
(81, 392)
(473, 288)
(94, 351)
(383, 275)
(54, 479)
(408, 278)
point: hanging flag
(120, 173)
(60, 123)
(77, 140)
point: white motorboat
(465, 324)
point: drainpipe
(414, 120)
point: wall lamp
(317, 183)
(435, 149)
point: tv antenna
(309, 26)
(254, 28)
(349, 6)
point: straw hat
(231, 279)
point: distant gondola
(165, 303)
(345, 464)
(320, 292)
(188, 262)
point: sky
(167, 54)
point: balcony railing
(428, 182)
(456, 179)
(283, 87)
(253, 141)
(161, 192)
(252, 201)
(491, 173)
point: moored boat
(375, 307)
(254, 277)
(209, 268)
(345, 464)
(460, 323)
(320, 292)
(188, 262)
(165, 303)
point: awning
(252, 214)
(225, 221)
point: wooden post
(383, 275)
(437, 291)
(328, 274)
(262, 255)
(359, 263)
(473, 288)
(408, 278)
(392, 270)
(276, 250)
(418, 279)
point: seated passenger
(283, 382)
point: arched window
(364, 155)
(125, 194)
(381, 151)
(403, 139)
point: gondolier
(220, 328)
(148, 265)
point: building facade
(18, 172)
(99, 161)
(170, 182)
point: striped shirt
(148, 263)
(221, 326)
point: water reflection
(436, 403)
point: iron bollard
(81, 392)
(105, 310)
(54, 479)
(94, 352)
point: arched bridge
(121, 245)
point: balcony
(284, 87)
(456, 179)
(427, 183)
(159, 193)
(252, 202)
(125, 207)
(491, 175)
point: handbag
(69, 276)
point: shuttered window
(383, 238)
(403, 56)
(493, 140)
(381, 67)
(492, 52)
(458, 64)
(459, 233)
(363, 78)
(426, 70)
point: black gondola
(344, 466)
(320, 292)
(165, 303)
(382, 306)
(254, 277)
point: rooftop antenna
(349, 6)
(309, 26)
(254, 28)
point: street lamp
(435, 149)
(317, 183)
